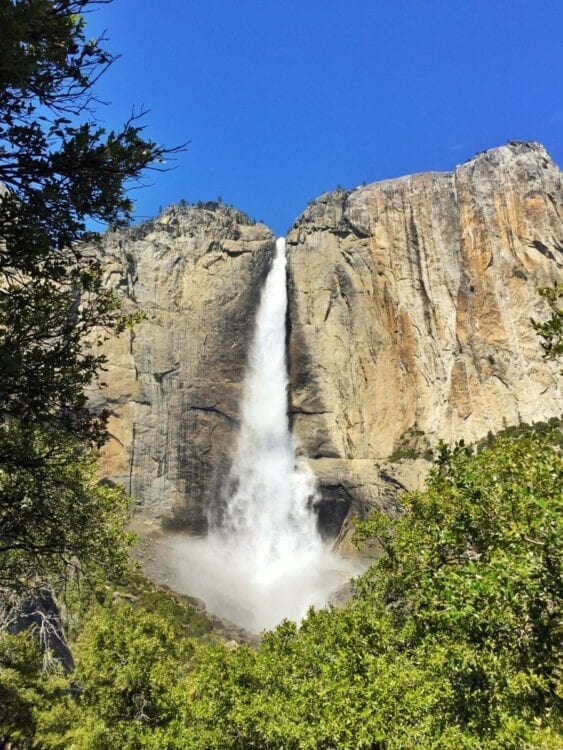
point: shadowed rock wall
(174, 382)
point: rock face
(410, 307)
(174, 382)
(409, 320)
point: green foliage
(44, 359)
(131, 642)
(128, 664)
(551, 330)
(551, 431)
(182, 613)
(20, 679)
(412, 444)
(476, 562)
(26, 690)
(59, 171)
(53, 512)
(451, 640)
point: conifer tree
(60, 171)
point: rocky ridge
(408, 321)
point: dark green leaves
(53, 512)
(60, 170)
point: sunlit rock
(410, 305)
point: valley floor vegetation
(451, 638)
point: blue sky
(283, 101)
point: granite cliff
(174, 381)
(410, 307)
(409, 320)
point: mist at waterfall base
(263, 559)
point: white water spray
(269, 511)
(264, 559)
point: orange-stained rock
(409, 321)
(410, 307)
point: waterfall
(263, 559)
(268, 510)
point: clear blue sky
(284, 100)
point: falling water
(263, 559)
(268, 511)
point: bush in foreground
(451, 640)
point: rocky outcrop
(410, 307)
(37, 611)
(174, 381)
(409, 320)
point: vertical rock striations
(410, 306)
(174, 382)
(408, 321)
